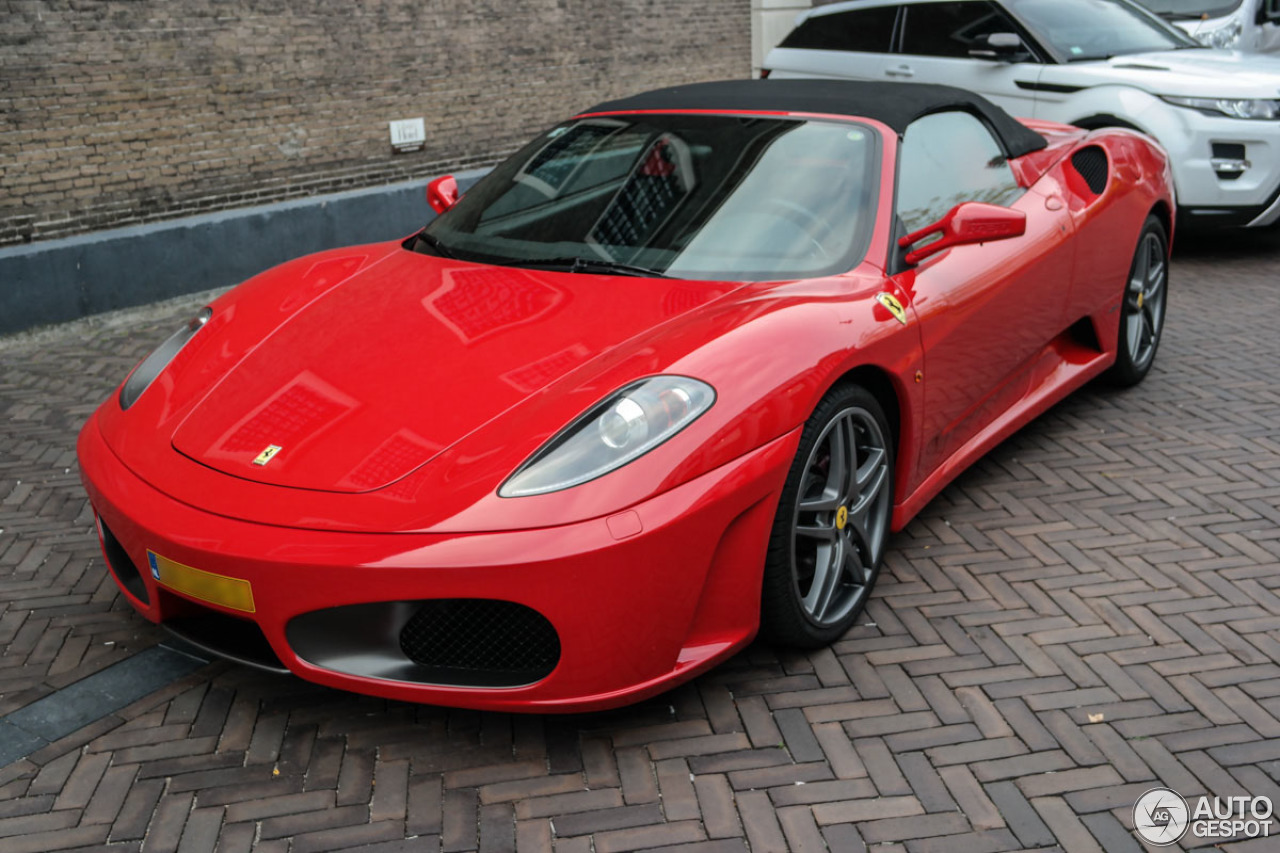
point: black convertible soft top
(895, 104)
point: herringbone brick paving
(1094, 609)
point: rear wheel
(832, 524)
(1142, 313)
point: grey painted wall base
(61, 280)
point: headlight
(621, 428)
(1249, 108)
(1224, 37)
(150, 368)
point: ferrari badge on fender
(267, 455)
(888, 300)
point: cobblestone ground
(1091, 611)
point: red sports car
(665, 378)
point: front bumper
(1205, 217)
(1227, 171)
(640, 601)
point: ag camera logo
(1161, 816)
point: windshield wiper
(434, 242)
(593, 265)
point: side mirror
(442, 193)
(967, 223)
(1001, 47)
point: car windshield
(1098, 29)
(696, 196)
(1183, 10)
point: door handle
(900, 71)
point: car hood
(373, 378)
(1194, 72)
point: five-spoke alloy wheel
(1142, 314)
(832, 522)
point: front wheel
(1142, 314)
(832, 524)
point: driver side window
(948, 158)
(952, 29)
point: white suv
(1092, 63)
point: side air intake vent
(126, 572)
(1091, 163)
(463, 642)
(481, 641)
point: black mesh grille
(1091, 163)
(480, 640)
(125, 571)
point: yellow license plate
(234, 593)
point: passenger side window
(948, 158)
(866, 31)
(951, 29)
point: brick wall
(122, 111)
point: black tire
(832, 525)
(1146, 296)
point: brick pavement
(1092, 610)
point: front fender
(770, 355)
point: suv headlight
(146, 372)
(1224, 37)
(619, 429)
(1247, 108)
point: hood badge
(267, 455)
(888, 300)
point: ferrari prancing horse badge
(267, 455)
(888, 300)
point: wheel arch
(1098, 121)
(1160, 210)
(880, 384)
